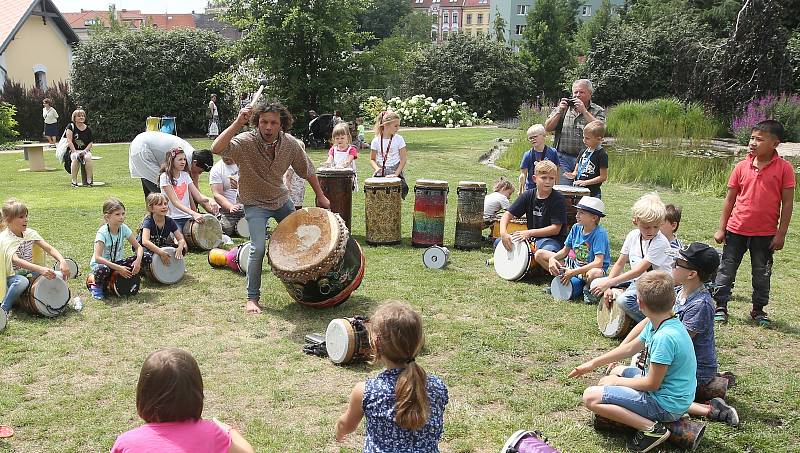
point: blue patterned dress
(383, 435)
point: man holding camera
(568, 120)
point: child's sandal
(721, 315)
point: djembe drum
(203, 236)
(167, 274)
(382, 206)
(685, 433)
(469, 214)
(337, 185)
(572, 194)
(430, 199)
(347, 340)
(46, 297)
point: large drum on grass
(347, 340)
(430, 201)
(167, 274)
(337, 185)
(46, 297)
(469, 214)
(311, 251)
(203, 236)
(382, 206)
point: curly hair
(287, 120)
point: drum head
(208, 234)
(340, 341)
(472, 185)
(243, 257)
(304, 239)
(571, 190)
(168, 274)
(430, 184)
(335, 172)
(50, 296)
(390, 181)
(611, 321)
(72, 265)
(241, 228)
(560, 291)
(435, 257)
(514, 264)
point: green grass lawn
(503, 348)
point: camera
(571, 102)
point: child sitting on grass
(497, 201)
(169, 398)
(404, 405)
(663, 391)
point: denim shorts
(635, 401)
(541, 244)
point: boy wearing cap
(693, 306)
(760, 195)
(586, 254)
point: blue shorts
(541, 244)
(641, 403)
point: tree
(485, 74)
(415, 27)
(499, 27)
(381, 17)
(545, 48)
(593, 28)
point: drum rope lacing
(50, 309)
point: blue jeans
(566, 163)
(257, 218)
(181, 222)
(635, 401)
(15, 286)
(541, 244)
(760, 262)
(628, 303)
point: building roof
(132, 17)
(427, 4)
(14, 13)
(477, 3)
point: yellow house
(35, 43)
(475, 18)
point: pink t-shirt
(758, 199)
(351, 151)
(177, 437)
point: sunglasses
(684, 266)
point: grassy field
(503, 348)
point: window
(469, 19)
(522, 10)
(444, 35)
(445, 18)
(480, 19)
(483, 2)
(455, 18)
(586, 10)
(40, 80)
(520, 29)
(418, 1)
(90, 22)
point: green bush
(122, 78)
(7, 122)
(665, 120)
(28, 104)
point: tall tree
(381, 17)
(499, 27)
(593, 27)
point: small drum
(238, 258)
(715, 388)
(469, 214)
(347, 340)
(571, 291)
(203, 236)
(121, 286)
(515, 264)
(167, 274)
(436, 257)
(46, 297)
(217, 257)
(612, 321)
(230, 223)
(572, 194)
(382, 206)
(241, 228)
(74, 270)
(430, 201)
(685, 433)
(519, 224)
(527, 442)
(311, 251)
(337, 185)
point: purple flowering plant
(784, 108)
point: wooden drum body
(520, 224)
(612, 321)
(430, 201)
(469, 214)
(337, 185)
(572, 194)
(203, 236)
(347, 340)
(382, 206)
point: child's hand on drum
(554, 266)
(179, 253)
(567, 275)
(608, 297)
(601, 287)
(519, 236)
(198, 217)
(507, 241)
(137, 266)
(165, 257)
(123, 271)
(64, 270)
(50, 274)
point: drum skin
(164, 274)
(435, 257)
(469, 215)
(611, 319)
(347, 340)
(46, 297)
(382, 210)
(430, 201)
(203, 236)
(514, 264)
(337, 185)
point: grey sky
(146, 6)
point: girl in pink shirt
(169, 398)
(343, 153)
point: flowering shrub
(420, 111)
(784, 108)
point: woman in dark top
(79, 141)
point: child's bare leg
(542, 257)
(592, 399)
(593, 274)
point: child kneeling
(664, 390)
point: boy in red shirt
(760, 192)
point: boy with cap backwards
(586, 254)
(693, 306)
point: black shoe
(723, 412)
(648, 440)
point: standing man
(263, 155)
(147, 152)
(573, 114)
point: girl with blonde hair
(389, 154)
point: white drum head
(168, 274)
(514, 264)
(3, 319)
(241, 228)
(435, 257)
(209, 233)
(71, 264)
(50, 296)
(560, 291)
(243, 257)
(340, 341)
(571, 190)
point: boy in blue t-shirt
(538, 152)
(664, 390)
(586, 254)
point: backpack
(527, 442)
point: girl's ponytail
(412, 407)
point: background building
(448, 14)
(475, 17)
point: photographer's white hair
(586, 83)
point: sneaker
(97, 292)
(547, 290)
(721, 315)
(723, 412)
(760, 317)
(74, 184)
(648, 440)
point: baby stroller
(320, 130)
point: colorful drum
(337, 185)
(519, 224)
(430, 201)
(514, 264)
(167, 274)
(311, 251)
(572, 194)
(347, 340)
(46, 297)
(203, 236)
(612, 321)
(469, 214)
(382, 206)
(436, 257)
(74, 270)
(239, 258)
(217, 257)
(685, 433)
(572, 290)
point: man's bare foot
(252, 307)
